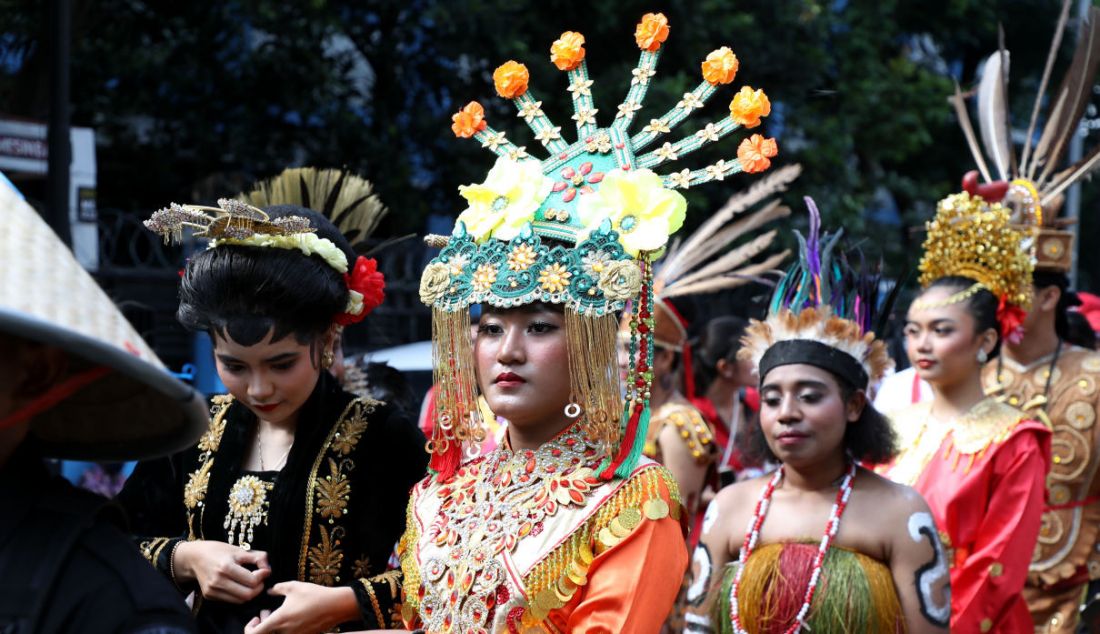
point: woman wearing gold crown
(564, 527)
(284, 516)
(980, 464)
(829, 545)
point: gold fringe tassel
(594, 375)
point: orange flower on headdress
(720, 67)
(651, 32)
(754, 154)
(510, 79)
(748, 106)
(468, 121)
(567, 51)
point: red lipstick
(509, 379)
(266, 408)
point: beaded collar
(487, 509)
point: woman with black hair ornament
(564, 527)
(830, 546)
(981, 464)
(284, 516)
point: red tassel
(689, 373)
(446, 463)
(626, 444)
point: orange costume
(983, 476)
(534, 539)
(582, 533)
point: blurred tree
(195, 99)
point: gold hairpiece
(231, 219)
(961, 296)
(237, 223)
(972, 238)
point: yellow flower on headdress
(507, 200)
(641, 210)
(554, 278)
(567, 52)
(748, 106)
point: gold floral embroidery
(151, 549)
(195, 490)
(361, 567)
(391, 577)
(332, 493)
(350, 431)
(328, 496)
(325, 558)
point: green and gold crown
(599, 196)
(580, 228)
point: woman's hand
(307, 609)
(219, 569)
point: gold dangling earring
(326, 359)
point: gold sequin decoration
(1081, 415)
(553, 582)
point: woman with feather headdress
(284, 515)
(829, 546)
(679, 436)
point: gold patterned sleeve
(379, 599)
(694, 432)
(151, 499)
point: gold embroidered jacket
(336, 509)
(1066, 557)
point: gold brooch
(248, 506)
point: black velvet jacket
(336, 510)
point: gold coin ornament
(656, 509)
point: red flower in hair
(368, 282)
(1011, 317)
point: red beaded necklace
(753, 535)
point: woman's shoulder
(742, 494)
(887, 496)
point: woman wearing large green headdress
(564, 527)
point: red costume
(983, 475)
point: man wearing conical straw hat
(76, 381)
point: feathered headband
(824, 312)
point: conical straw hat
(135, 410)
